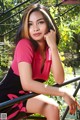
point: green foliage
(50, 80)
(6, 55)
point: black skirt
(10, 88)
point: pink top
(24, 52)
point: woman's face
(37, 26)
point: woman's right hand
(50, 38)
(73, 104)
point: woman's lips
(37, 34)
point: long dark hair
(23, 30)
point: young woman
(35, 55)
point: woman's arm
(57, 68)
(28, 84)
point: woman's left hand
(73, 104)
(50, 38)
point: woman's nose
(36, 27)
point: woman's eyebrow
(38, 19)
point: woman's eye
(41, 22)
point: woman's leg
(43, 105)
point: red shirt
(24, 52)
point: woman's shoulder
(24, 43)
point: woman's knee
(43, 106)
(51, 109)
